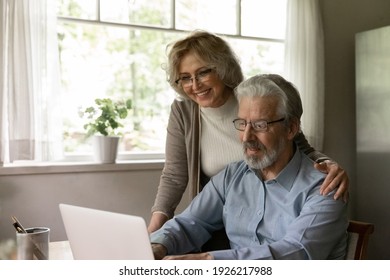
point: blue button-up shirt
(282, 218)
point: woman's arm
(174, 177)
(336, 177)
(157, 220)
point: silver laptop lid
(101, 235)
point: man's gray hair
(290, 105)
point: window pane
(259, 57)
(101, 61)
(84, 9)
(218, 16)
(140, 12)
(263, 18)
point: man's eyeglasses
(258, 126)
(201, 77)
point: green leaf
(105, 116)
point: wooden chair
(358, 235)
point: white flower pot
(105, 148)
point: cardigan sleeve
(304, 146)
(174, 177)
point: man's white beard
(268, 158)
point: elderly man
(269, 203)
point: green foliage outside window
(120, 53)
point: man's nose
(247, 134)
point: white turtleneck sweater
(220, 143)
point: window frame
(136, 156)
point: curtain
(304, 62)
(29, 82)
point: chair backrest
(358, 235)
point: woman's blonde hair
(209, 48)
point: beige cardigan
(182, 156)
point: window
(117, 49)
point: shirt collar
(287, 176)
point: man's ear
(293, 128)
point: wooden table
(60, 250)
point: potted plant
(103, 123)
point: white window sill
(77, 167)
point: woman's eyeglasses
(201, 77)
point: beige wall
(33, 196)
(342, 19)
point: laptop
(100, 235)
